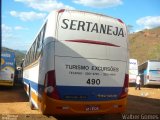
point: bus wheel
(43, 109)
(43, 105)
(30, 101)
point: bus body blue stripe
(81, 93)
(37, 87)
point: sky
(22, 19)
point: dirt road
(14, 105)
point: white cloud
(12, 40)
(28, 16)
(9, 37)
(7, 33)
(99, 3)
(45, 5)
(20, 28)
(6, 28)
(149, 22)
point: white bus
(133, 70)
(150, 72)
(78, 64)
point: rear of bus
(91, 65)
(153, 77)
(7, 70)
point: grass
(145, 45)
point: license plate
(92, 108)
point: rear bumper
(6, 83)
(60, 107)
(153, 82)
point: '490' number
(93, 81)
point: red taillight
(125, 87)
(120, 20)
(62, 10)
(50, 85)
(12, 76)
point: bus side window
(25, 63)
(40, 42)
(37, 47)
(29, 56)
(34, 51)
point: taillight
(125, 87)
(12, 76)
(62, 10)
(50, 85)
(120, 20)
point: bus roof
(145, 64)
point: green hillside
(145, 45)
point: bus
(7, 68)
(78, 64)
(18, 75)
(133, 70)
(150, 72)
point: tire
(43, 107)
